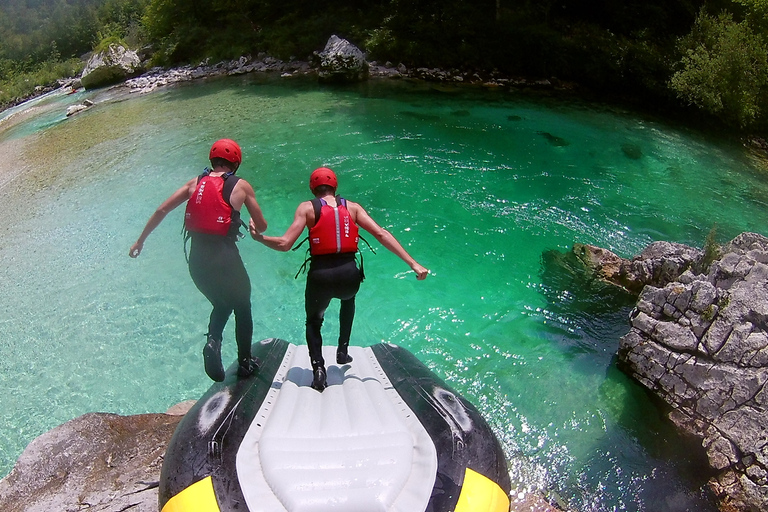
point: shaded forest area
(710, 56)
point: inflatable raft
(386, 435)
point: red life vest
(208, 210)
(334, 231)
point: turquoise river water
(486, 188)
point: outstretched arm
(387, 240)
(257, 223)
(285, 242)
(167, 206)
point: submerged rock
(76, 109)
(554, 140)
(632, 151)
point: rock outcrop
(99, 462)
(658, 264)
(341, 61)
(700, 342)
(110, 66)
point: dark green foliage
(656, 51)
(187, 31)
(724, 69)
(43, 40)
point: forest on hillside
(710, 56)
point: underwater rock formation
(658, 264)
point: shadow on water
(593, 312)
(592, 317)
(681, 469)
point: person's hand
(255, 232)
(421, 272)
(135, 250)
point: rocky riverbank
(161, 77)
(699, 341)
(339, 61)
(99, 462)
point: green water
(480, 186)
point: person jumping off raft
(212, 221)
(333, 223)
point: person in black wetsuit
(333, 224)
(212, 219)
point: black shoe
(318, 382)
(212, 359)
(247, 367)
(343, 357)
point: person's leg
(316, 301)
(247, 364)
(198, 257)
(346, 317)
(218, 272)
(347, 284)
(212, 350)
(237, 286)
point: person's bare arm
(386, 239)
(177, 198)
(243, 194)
(303, 216)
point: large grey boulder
(700, 342)
(113, 65)
(99, 462)
(341, 61)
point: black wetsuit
(331, 276)
(218, 272)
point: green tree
(724, 69)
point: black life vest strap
(317, 205)
(297, 246)
(226, 194)
(303, 267)
(362, 263)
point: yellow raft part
(198, 497)
(480, 494)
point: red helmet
(226, 149)
(323, 176)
